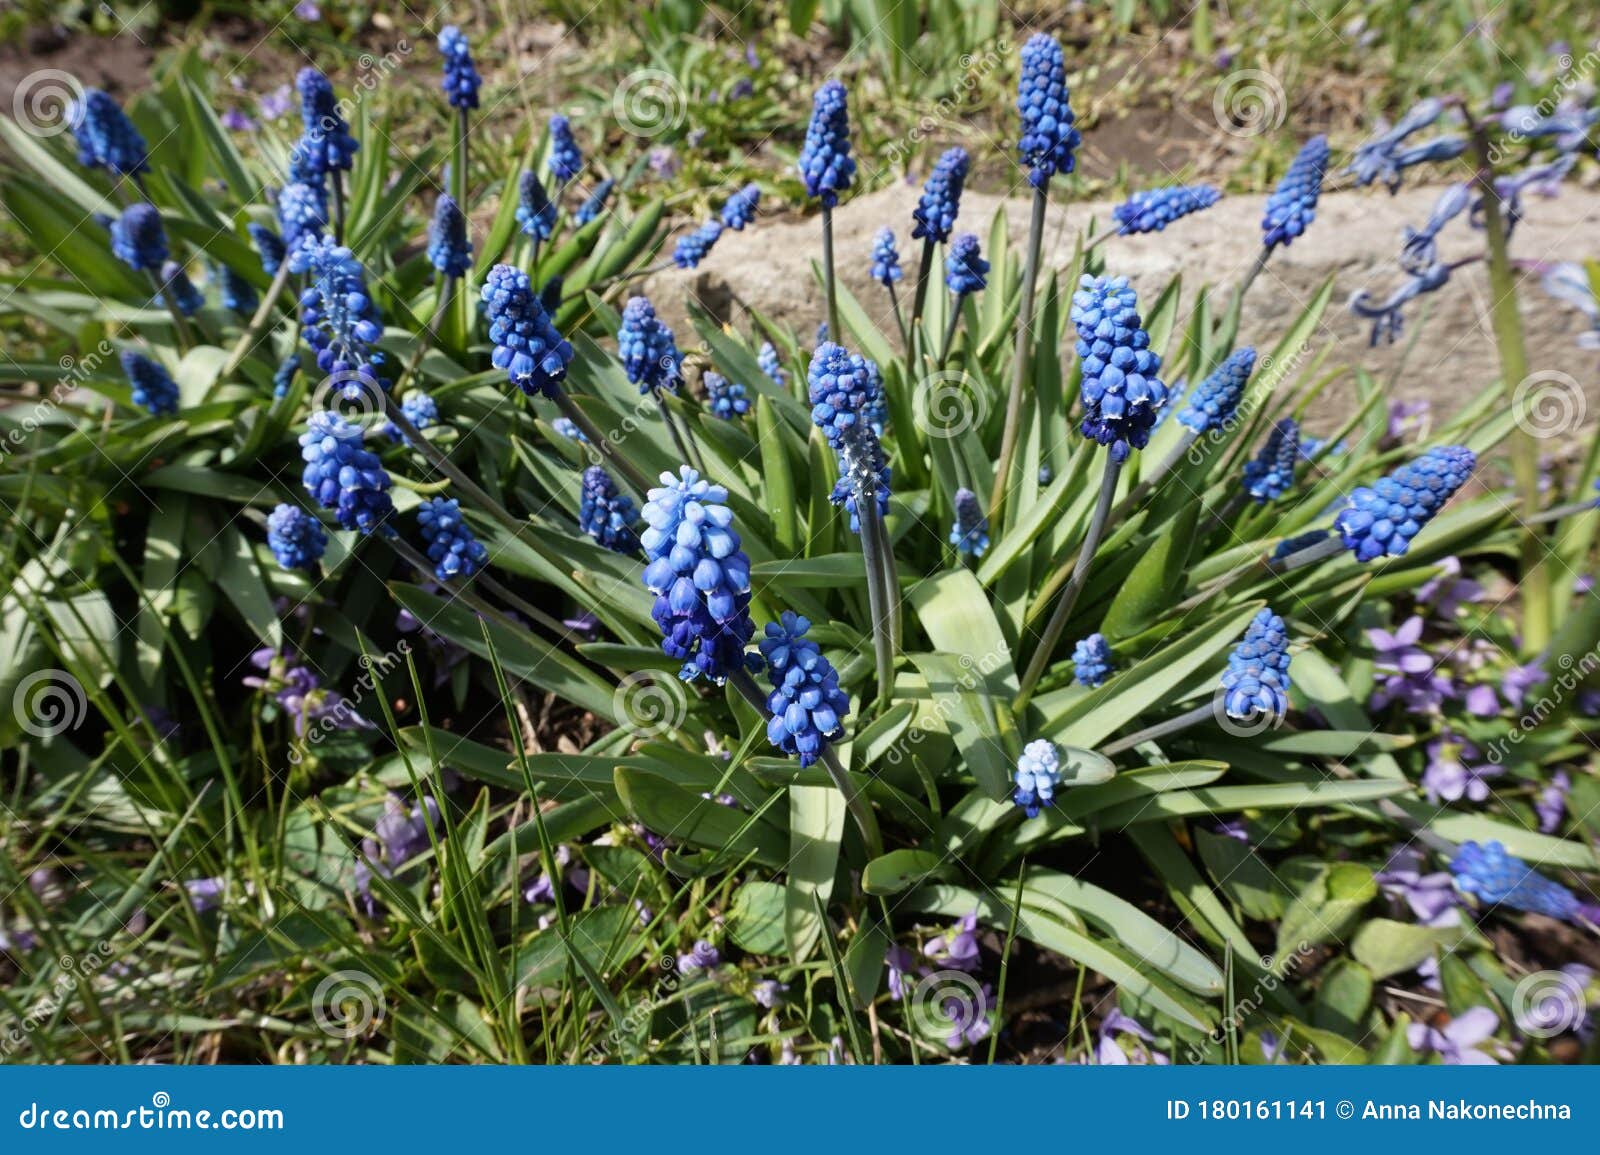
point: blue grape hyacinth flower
(940, 203)
(965, 270)
(647, 349)
(1256, 681)
(1495, 877)
(1153, 210)
(526, 345)
(461, 80)
(420, 409)
(342, 475)
(740, 208)
(302, 212)
(536, 216)
(970, 533)
(1271, 473)
(606, 514)
(449, 251)
(269, 247)
(564, 160)
(1091, 660)
(1382, 519)
(565, 427)
(105, 136)
(807, 706)
(1212, 406)
(237, 293)
(885, 259)
(846, 394)
(296, 538)
(283, 376)
(700, 576)
(727, 398)
(451, 545)
(1293, 204)
(1049, 141)
(595, 204)
(138, 238)
(1376, 158)
(340, 319)
(692, 249)
(153, 387)
(325, 145)
(1037, 776)
(175, 279)
(1121, 393)
(826, 167)
(771, 364)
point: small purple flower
(701, 957)
(276, 104)
(1551, 804)
(957, 948)
(663, 162)
(769, 993)
(1449, 591)
(1431, 897)
(235, 121)
(1110, 1053)
(1517, 681)
(204, 893)
(1456, 1043)
(901, 963)
(1452, 773)
(308, 10)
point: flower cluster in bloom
(1049, 141)
(740, 209)
(605, 514)
(295, 537)
(340, 317)
(419, 408)
(1494, 877)
(325, 146)
(106, 137)
(153, 387)
(526, 345)
(1382, 157)
(460, 81)
(451, 546)
(965, 269)
(595, 203)
(299, 693)
(1121, 393)
(1384, 518)
(1293, 204)
(845, 392)
(138, 238)
(692, 249)
(728, 398)
(970, 533)
(1271, 473)
(885, 258)
(1152, 210)
(940, 203)
(302, 212)
(1091, 660)
(771, 364)
(807, 706)
(269, 247)
(175, 280)
(342, 475)
(1257, 678)
(283, 376)
(1213, 405)
(1038, 774)
(237, 293)
(700, 576)
(568, 429)
(647, 348)
(565, 159)
(826, 167)
(398, 837)
(449, 251)
(536, 216)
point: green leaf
(816, 824)
(1158, 576)
(1324, 909)
(1344, 995)
(756, 918)
(242, 584)
(1386, 947)
(901, 869)
(1242, 876)
(778, 481)
(674, 812)
(961, 699)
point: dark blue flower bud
(106, 137)
(1270, 475)
(1154, 209)
(451, 545)
(885, 260)
(596, 204)
(526, 345)
(970, 534)
(647, 348)
(740, 208)
(449, 251)
(807, 706)
(826, 167)
(1213, 405)
(138, 238)
(153, 387)
(692, 249)
(1293, 204)
(1091, 660)
(605, 514)
(536, 216)
(460, 81)
(965, 269)
(1049, 141)
(937, 208)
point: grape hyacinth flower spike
(965, 269)
(1212, 406)
(565, 159)
(340, 318)
(526, 345)
(647, 348)
(236, 291)
(728, 399)
(105, 136)
(1381, 520)
(885, 259)
(595, 204)
(740, 208)
(138, 238)
(605, 514)
(449, 251)
(1153, 210)
(806, 706)
(302, 212)
(1292, 206)
(419, 409)
(1091, 661)
(342, 475)
(1271, 473)
(940, 203)
(1496, 878)
(1256, 682)
(772, 365)
(826, 170)
(690, 250)
(535, 215)
(451, 545)
(153, 387)
(460, 81)
(1038, 774)
(295, 538)
(269, 247)
(175, 280)
(970, 534)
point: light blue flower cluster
(1293, 204)
(606, 514)
(700, 576)
(1049, 141)
(340, 318)
(153, 387)
(535, 215)
(1091, 660)
(1257, 678)
(965, 270)
(342, 475)
(885, 259)
(526, 345)
(269, 247)
(826, 167)
(771, 364)
(1038, 774)
(846, 393)
(175, 279)
(1121, 393)
(325, 146)
(419, 408)
(1494, 877)
(807, 706)
(451, 545)
(460, 81)
(970, 533)
(1382, 520)
(449, 251)
(564, 160)
(237, 293)
(295, 538)
(565, 427)
(138, 238)
(1271, 473)
(595, 204)
(1213, 405)
(302, 212)
(740, 208)
(692, 249)
(105, 136)
(940, 203)
(647, 349)
(728, 398)
(1152, 210)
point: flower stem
(258, 323)
(429, 334)
(924, 267)
(1159, 730)
(950, 328)
(601, 442)
(899, 319)
(338, 206)
(875, 551)
(834, 333)
(1019, 363)
(1080, 576)
(1141, 491)
(1556, 513)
